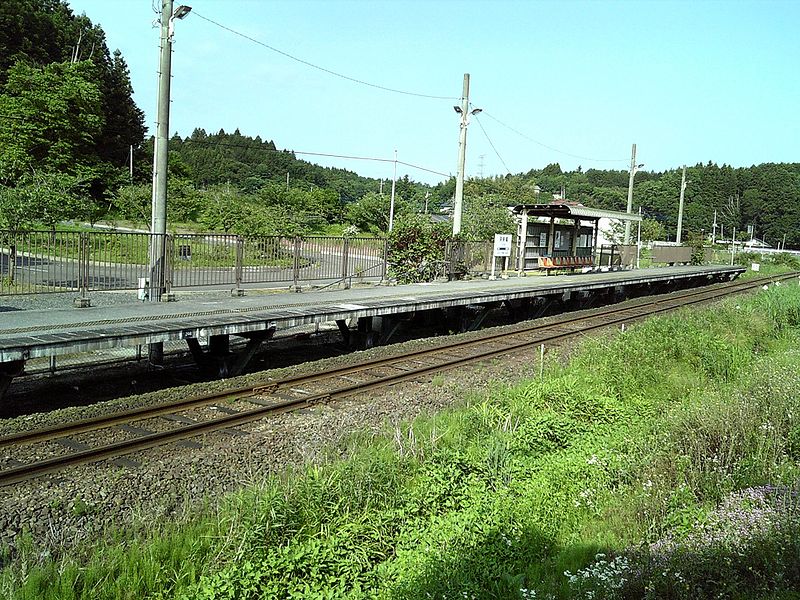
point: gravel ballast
(172, 480)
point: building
(560, 229)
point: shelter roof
(571, 210)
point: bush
(416, 245)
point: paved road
(33, 273)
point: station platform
(365, 316)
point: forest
(69, 125)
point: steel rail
(103, 421)
(25, 472)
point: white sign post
(502, 247)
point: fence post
(169, 253)
(345, 250)
(12, 261)
(385, 261)
(296, 265)
(448, 258)
(83, 272)
(239, 266)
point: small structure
(562, 230)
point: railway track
(135, 429)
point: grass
(615, 469)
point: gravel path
(169, 481)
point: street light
(158, 223)
(464, 111)
(181, 11)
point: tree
(485, 216)
(371, 212)
(39, 33)
(14, 212)
(52, 197)
(650, 230)
(222, 209)
(53, 115)
(133, 203)
(42, 198)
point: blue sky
(572, 82)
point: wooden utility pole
(680, 205)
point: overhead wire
(403, 92)
(543, 145)
(488, 139)
(323, 154)
(320, 68)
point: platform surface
(31, 333)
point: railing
(44, 261)
(609, 256)
(474, 258)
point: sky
(570, 82)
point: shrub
(415, 246)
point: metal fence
(45, 261)
(472, 258)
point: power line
(304, 153)
(400, 162)
(537, 142)
(323, 69)
(492, 144)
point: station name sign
(502, 244)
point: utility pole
(714, 229)
(391, 203)
(464, 111)
(158, 226)
(158, 220)
(680, 205)
(630, 195)
(639, 238)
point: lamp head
(181, 11)
(457, 109)
(475, 111)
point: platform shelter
(561, 229)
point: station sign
(502, 244)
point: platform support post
(344, 330)
(155, 354)
(8, 371)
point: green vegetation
(69, 122)
(68, 119)
(416, 249)
(661, 462)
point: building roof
(570, 210)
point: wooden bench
(548, 263)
